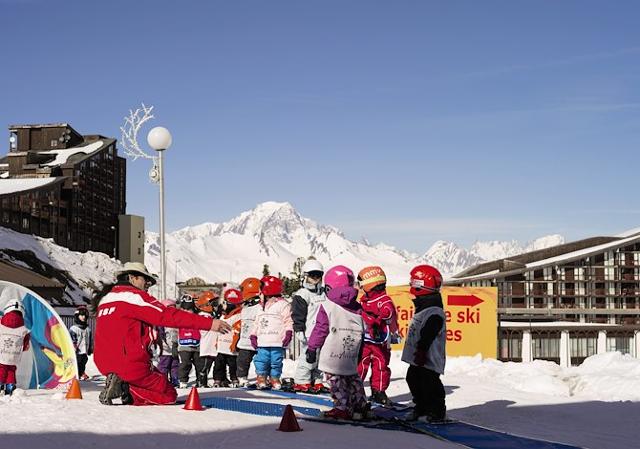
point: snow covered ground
(595, 405)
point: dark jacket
(433, 324)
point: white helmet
(312, 265)
(12, 306)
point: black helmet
(80, 311)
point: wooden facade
(79, 209)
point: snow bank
(606, 377)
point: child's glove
(311, 356)
(396, 338)
(254, 341)
(287, 339)
(420, 357)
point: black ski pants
(427, 391)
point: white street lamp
(159, 139)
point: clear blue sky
(402, 121)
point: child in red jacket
(14, 338)
(381, 324)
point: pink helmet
(339, 276)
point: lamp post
(159, 139)
(175, 280)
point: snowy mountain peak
(449, 257)
(274, 233)
(493, 250)
(279, 220)
(545, 242)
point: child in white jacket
(271, 333)
(227, 343)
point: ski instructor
(125, 334)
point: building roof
(62, 156)
(27, 278)
(555, 255)
(40, 125)
(15, 185)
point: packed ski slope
(595, 405)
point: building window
(54, 143)
(583, 344)
(139, 251)
(620, 341)
(25, 223)
(546, 345)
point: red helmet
(271, 286)
(233, 296)
(424, 280)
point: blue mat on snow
(313, 399)
(474, 436)
(465, 434)
(254, 407)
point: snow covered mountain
(276, 234)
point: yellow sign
(472, 323)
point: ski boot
(9, 389)
(319, 388)
(302, 388)
(336, 413)
(276, 384)
(235, 383)
(435, 416)
(202, 381)
(184, 385)
(242, 382)
(380, 397)
(288, 385)
(217, 384)
(261, 382)
(84, 376)
(1, 389)
(363, 413)
(430, 417)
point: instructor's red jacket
(125, 331)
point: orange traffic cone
(74, 390)
(289, 421)
(193, 401)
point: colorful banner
(471, 313)
(50, 361)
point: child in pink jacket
(271, 333)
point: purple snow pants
(167, 364)
(347, 392)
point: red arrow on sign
(464, 300)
